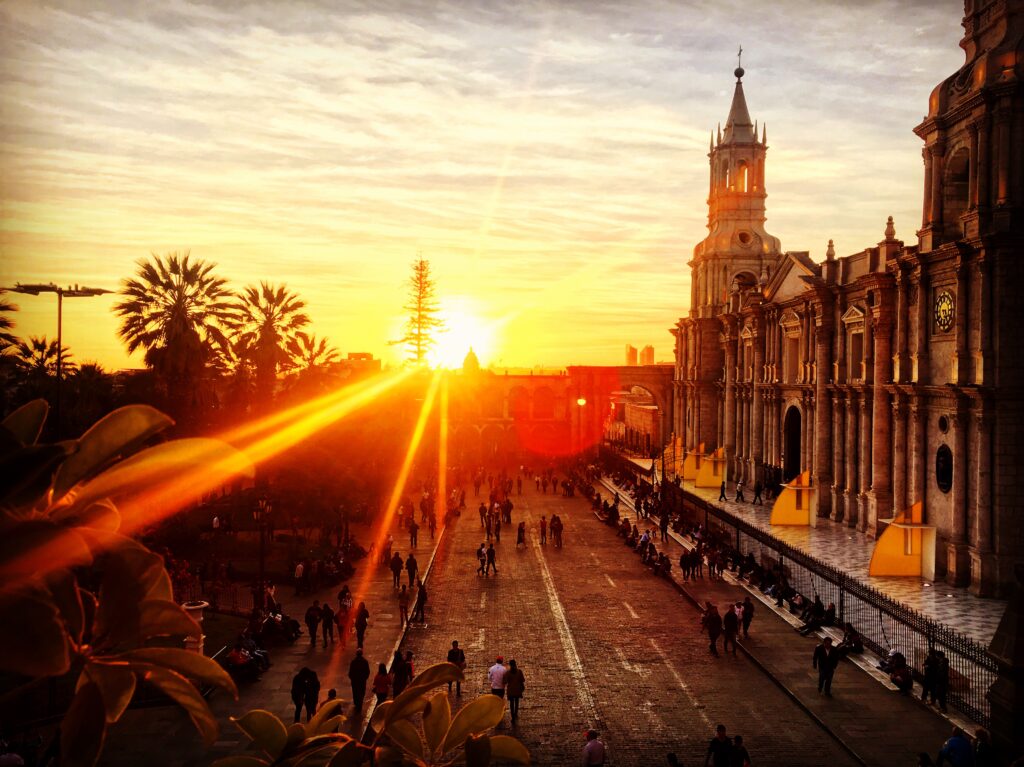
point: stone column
(729, 414)
(926, 217)
(899, 474)
(983, 580)
(957, 556)
(918, 457)
(902, 357)
(972, 185)
(850, 490)
(984, 162)
(757, 457)
(864, 461)
(919, 359)
(822, 414)
(938, 150)
(961, 361)
(881, 442)
(839, 443)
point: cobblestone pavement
(166, 737)
(602, 643)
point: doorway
(791, 444)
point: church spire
(738, 128)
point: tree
(7, 338)
(265, 320)
(423, 323)
(37, 358)
(176, 309)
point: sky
(548, 158)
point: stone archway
(791, 443)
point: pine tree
(423, 323)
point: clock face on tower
(945, 310)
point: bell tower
(738, 253)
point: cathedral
(892, 374)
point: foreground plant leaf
(478, 716)
(265, 730)
(42, 651)
(116, 685)
(26, 423)
(510, 749)
(178, 688)
(83, 729)
(437, 717)
(184, 662)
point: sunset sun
(464, 328)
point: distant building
(356, 365)
(647, 355)
(630, 355)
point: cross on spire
(739, 57)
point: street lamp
(72, 291)
(263, 508)
(581, 401)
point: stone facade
(891, 374)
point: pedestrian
(931, 668)
(403, 605)
(719, 749)
(327, 621)
(942, 680)
(757, 494)
(358, 673)
(412, 567)
(740, 755)
(748, 616)
(519, 485)
(739, 491)
(362, 621)
(593, 750)
(457, 657)
(481, 556)
(313, 615)
(713, 626)
(497, 528)
(543, 531)
(396, 568)
(491, 556)
(956, 751)
(721, 492)
(299, 692)
(730, 627)
(515, 685)
(984, 751)
(413, 531)
(483, 512)
(663, 525)
(825, 659)
(421, 603)
(381, 683)
(400, 675)
(496, 677)
(312, 693)
(521, 535)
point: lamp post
(263, 508)
(72, 291)
(581, 402)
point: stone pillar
(926, 208)
(864, 461)
(899, 473)
(961, 361)
(984, 159)
(850, 490)
(757, 457)
(983, 577)
(937, 151)
(880, 504)
(839, 443)
(919, 359)
(822, 414)
(918, 456)
(901, 370)
(957, 555)
(1004, 162)
(972, 185)
(729, 416)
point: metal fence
(883, 623)
(227, 598)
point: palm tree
(37, 358)
(312, 358)
(92, 397)
(265, 320)
(175, 309)
(7, 338)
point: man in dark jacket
(396, 568)
(412, 567)
(730, 626)
(713, 625)
(313, 615)
(358, 673)
(825, 659)
(457, 656)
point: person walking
(663, 526)
(740, 755)
(327, 621)
(299, 691)
(543, 531)
(312, 693)
(481, 557)
(748, 616)
(593, 750)
(713, 625)
(719, 749)
(515, 686)
(497, 528)
(457, 657)
(825, 659)
(362, 621)
(757, 495)
(412, 567)
(521, 535)
(396, 569)
(403, 605)
(730, 627)
(421, 603)
(381, 683)
(313, 615)
(496, 677)
(956, 751)
(414, 530)
(483, 512)
(721, 492)
(491, 556)
(739, 492)
(400, 674)
(358, 673)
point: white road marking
(483, 599)
(478, 643)
(637, 668)
(631, 611)
(697, 706)
(609, 579)
(572, 656)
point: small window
(944, 468)
(792, 359)
(855, 365)
(745, 238)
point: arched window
(741, 177)
(955, 190)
